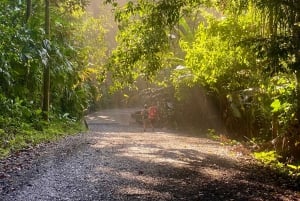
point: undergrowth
(268, 158)
(22, 125)
(14, 138)
(272, 159)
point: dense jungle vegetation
(51, 67)
(234, 63)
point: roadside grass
(223, 139)
(268, 158)
(16, 138)
(272, 159)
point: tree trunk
(28, 10)
(46, 80)
(296, 36)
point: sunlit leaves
(214, 58)
(267, 157)
(144, 36)
(74, 53)
(80, 72)
(71, 5)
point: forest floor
(116, 160)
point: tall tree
(296, 36)
(46, 79)
(28, 9)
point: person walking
(145, 114)
(153, 115)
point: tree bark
(46, 80)
(28, 10)
(296, 37)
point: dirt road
(115, 160)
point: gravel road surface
(116, 160)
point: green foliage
(294, 170)
(76, 60)
(24, 136)
(281, 97)
(211, 133)
(76, 66)
(214, 59)
(267, 157)
(271, 158)
(144, 37)
(19, 54)
(222, 61)
(22, 126)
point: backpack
(152, 112)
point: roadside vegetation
(74, 52)
(231, 64)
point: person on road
(153, 115)
(145, 116)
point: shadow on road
(115, 160)
(167, 166)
